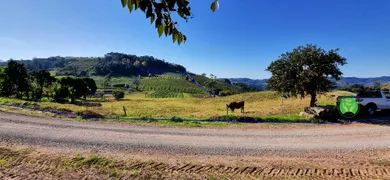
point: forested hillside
(342, 83)
(116, 64)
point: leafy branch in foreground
(159, 13)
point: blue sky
(239, 40)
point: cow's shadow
(240, 113)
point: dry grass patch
(258, 104)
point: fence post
(281, 108)
(124, 110)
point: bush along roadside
(89, 115)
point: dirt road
(124, 137)
(320, 142)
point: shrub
(118, 94)
(225, 93)
(177, 119)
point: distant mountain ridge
(261, 84)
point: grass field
(387, 86)
(257, 104)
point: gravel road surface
(111, 137)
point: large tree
(91, 87)
(159, 13)
(39, 80)
(306, 70)
(15, 80)
(73, 88)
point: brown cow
(235, 105)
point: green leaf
(181, 14)
(130, 6)
(124, 2)
(136, 4)
(213, 6)
(158, 21)
(180, 39)
(160, 30)
(152, 19)
(149, 12)
(174, 36)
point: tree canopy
(16, 81)
(305, 71)
(159, 13)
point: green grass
(188, 124)
(53, 72)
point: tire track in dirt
(47, 163)
(285, 172)
(202, 142)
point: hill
(168, 83)
(259, 84)
(344, 81)
(116, 64)
(364, 81)
(122, 68)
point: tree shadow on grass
(87, 103)
(249, 119)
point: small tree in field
(118, 94)
(305, 71)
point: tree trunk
(313, 99)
